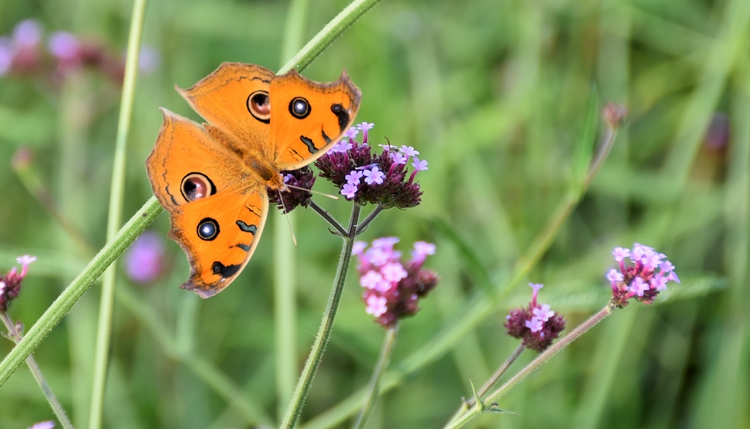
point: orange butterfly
(212, 178)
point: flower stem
(114, 220)
(328, 34)
(380, 366)
(368, 220)
(326, 325)
(285, 254)
(78, 287)
(37, 373)
(478, 409)
(328, 218)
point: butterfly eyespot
(208, 229)
(299, 108)
(195, 186)
(337, 108)
(259, 105)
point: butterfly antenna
(333, 197)
(288, 221)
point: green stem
(114, 220)
(565, 341)
(284, 279)
(78, 287)
(37, 373)
(328, 218)
(380, 366)
(328, 34)
(326, 325)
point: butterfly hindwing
(219, 234)
(309, 117)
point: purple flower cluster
(644, 279)
(22, 54)
(536, 324)
(144, 260)
(392, 288)
(366, 177)
(10, 283)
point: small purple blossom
(7, 53)
(535, 324)
(374, 176)
(354, 177)
(398, 158)
(409, 151)
(349, 191)
(638, 286)
(340, 147)
(28, 34)
(615, 276)
(543, 313)
(351, 133)
(421, 250)
(149, 59)
(365, 127)
(376, 305)
(64, 46)
(643, 278)
(419, 165)
(392, 287)
(619, 253)
(43, 425)
(144, 260)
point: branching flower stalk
(642, 280)
(10, 288)
(372, 388)
(363, 177)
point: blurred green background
(493, 93)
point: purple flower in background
(536, 324)
(144, 260)
(393, 288)
(28, 34)
(43, 425)
(647, 274)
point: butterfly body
(212, 177)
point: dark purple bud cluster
(293, 197)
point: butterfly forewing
(219, 234)
(309, 117)
(234, 98)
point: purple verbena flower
(643, 278)
(387, 179)
(365, 127)
(374, 176)
(535, 324)
(349, 191)
(354, 177)
(392, 287)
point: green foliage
(496, 95)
